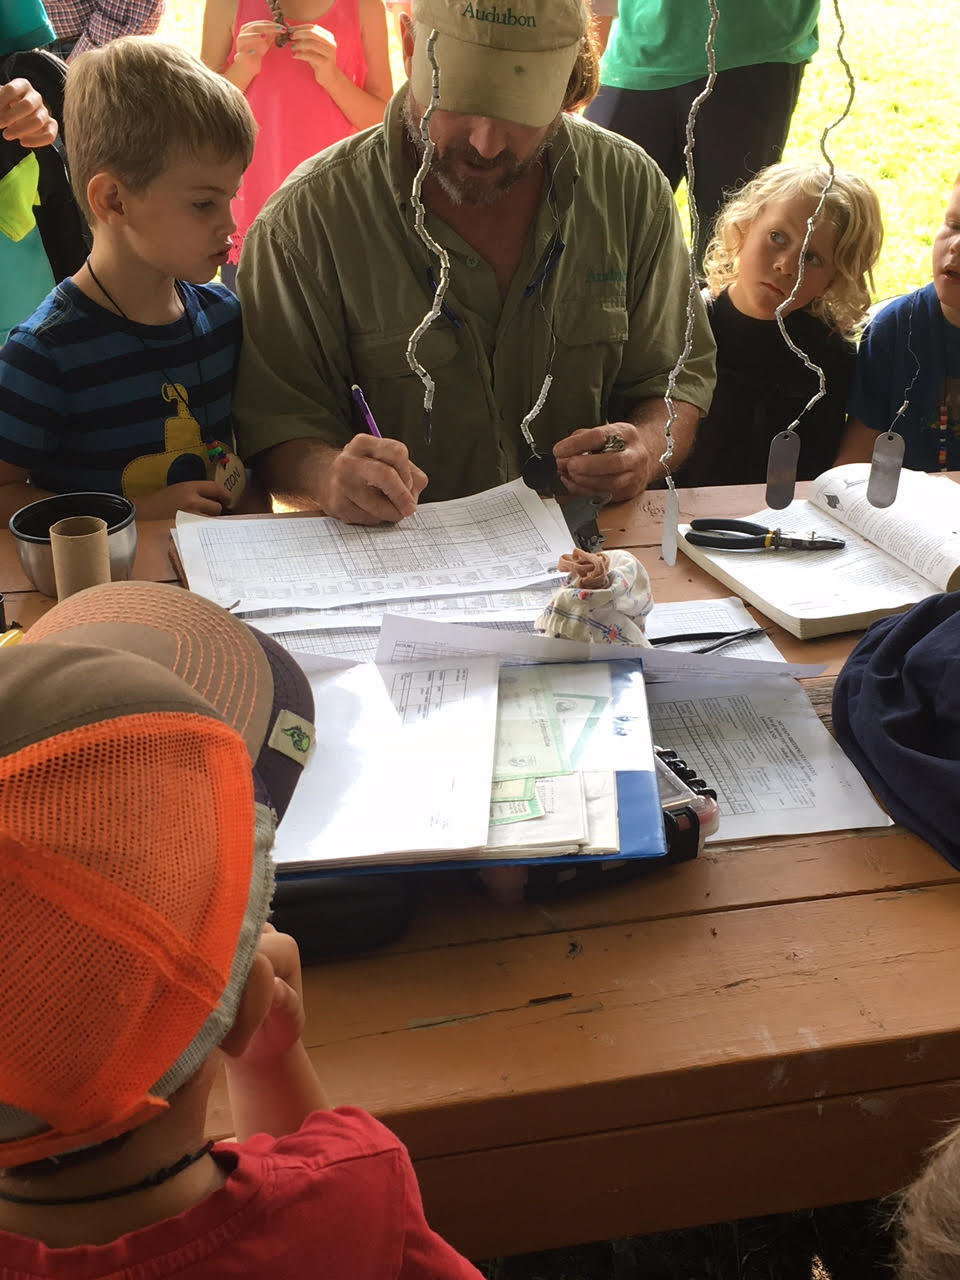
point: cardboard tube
(81, 558)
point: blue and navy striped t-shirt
(89, 401)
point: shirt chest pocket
(383, 356)
(591, 334)
(591, 321)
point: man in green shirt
(566, 259)
(656, 64)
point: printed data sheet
(490, 541)
(774, 766)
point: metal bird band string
(429, 386)
(811, 223)
(693, 286)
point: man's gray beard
(469, 192)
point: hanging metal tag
(671, 519)
(539, 473)
(885, 466)
(782, 469)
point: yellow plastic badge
(292, 736)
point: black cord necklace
(151, 1180)
(171, 381)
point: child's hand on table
(201, 497)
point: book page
(820, 584)
(921, 529)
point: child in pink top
(313, 71)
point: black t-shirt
(761, 388)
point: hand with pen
(371, 480)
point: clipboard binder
(640, 817)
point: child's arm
(364, 106)
(33, 411)
(202, 497)
(871, 394)
(254, 40)
(857, 443)
(272, 1083)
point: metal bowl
(30, 527)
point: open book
(893, 557)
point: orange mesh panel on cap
(125, 862)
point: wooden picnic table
(772, 1026)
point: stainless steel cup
(30, 527)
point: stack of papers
(322, 586)
(473, 739)
(486, 561)
(755, 738)
(447, 760)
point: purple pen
(361, 402)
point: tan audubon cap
(507, 61)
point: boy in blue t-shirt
(911, 352)
(121, 381)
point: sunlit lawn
(903, 133)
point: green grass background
(903, 132)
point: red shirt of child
(337, 1199)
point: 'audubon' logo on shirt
(508, 19)
(606, 277)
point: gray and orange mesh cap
(135, 879)
(255, 685)
(507, 61)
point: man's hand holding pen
(371, 481)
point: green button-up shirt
(334, 279)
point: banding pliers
(744, 535)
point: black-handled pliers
(744, 535)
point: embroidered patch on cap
(292, 736)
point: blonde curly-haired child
(751, 266)
(928, 1217)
